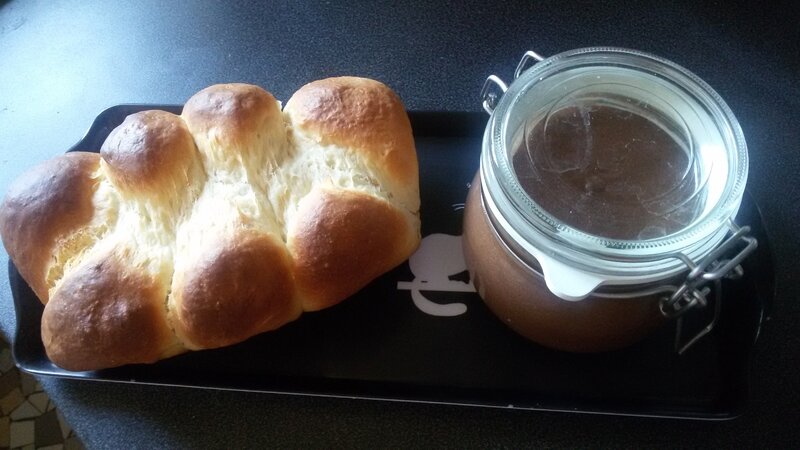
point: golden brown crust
(105, 314)
(341, 240)
(150, 150)
(235, 289)
(231, 115)
(201, 230)
(361, 114)
(43, 206)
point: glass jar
(604, 201)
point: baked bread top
(201, 230)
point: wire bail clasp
(694, 291)
(491, 97)
(527, 58)
(714, 266)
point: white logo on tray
(434, 264)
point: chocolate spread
(608, 172)
(521, 299)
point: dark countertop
(62, 62)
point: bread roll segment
(151, 152)
(106, 314)
(42, 209)
(237, 287)
(329, 225)
(201, 230)
(366, 117)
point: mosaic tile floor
(28, 418)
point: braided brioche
(201, 230)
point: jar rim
(597, 253)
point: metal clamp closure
(491, 97)
(694, 291)
(527, 58)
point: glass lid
(618, 151)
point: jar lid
(612, 161)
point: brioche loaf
(201, 230)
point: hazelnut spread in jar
(607, 160)
(604, 201)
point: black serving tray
(379, 345)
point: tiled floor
(28, 418)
